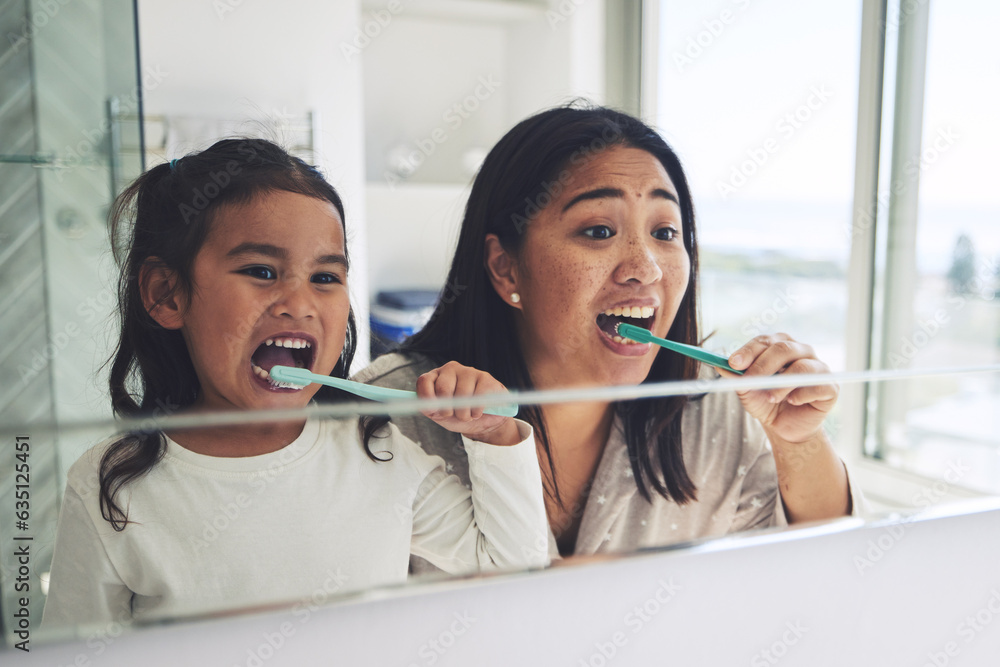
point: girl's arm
(502, 522)
(84, 587)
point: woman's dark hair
(474, 326)
(164, 217)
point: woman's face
(608, 248)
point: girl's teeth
(293, 343)
(264, 375)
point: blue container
(398, 314)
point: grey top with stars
(726, 452)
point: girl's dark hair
(164, 217)
(521, 175)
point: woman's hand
(793, 414)
(454, 379)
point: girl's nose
(638, 263)
(294, 300)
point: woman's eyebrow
(616, 193)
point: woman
(580, 218)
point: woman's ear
(502, 270)
(158, 286)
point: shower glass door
(69, 140)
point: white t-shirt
(316, 517)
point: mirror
(417, 96)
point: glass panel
(68, 72)
(951, 314)
(202, 508)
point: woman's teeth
(641, 312)
(264, 375)
(644, 313)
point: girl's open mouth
(290, 351)
(640, 316)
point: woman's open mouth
(291, 351)
(640, 316)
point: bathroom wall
(232, 60)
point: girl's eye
(665, 234)
(261, 272)
(326, 279)
(599, 232)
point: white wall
(233, 59)
(416, 229)
(501, 62)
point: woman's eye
(326, 279)
(261, 272)
(599, 232)
(665, 234)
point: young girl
(237, 262)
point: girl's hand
(454, 379)
(793, 414)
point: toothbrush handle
(698, 353)
(388, 395)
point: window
(760, 101)
(866, 226)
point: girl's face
(611, 240)
(269, 288)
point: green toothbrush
(641, 335)
(304, 377)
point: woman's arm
(811, 477)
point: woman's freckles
(611, 239)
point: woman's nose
(294, 300)
(638, 263)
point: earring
(515, 297)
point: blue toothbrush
(304, 377)
(641, 335)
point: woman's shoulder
(394, 369)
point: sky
(759, 97)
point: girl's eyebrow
(334, 259)
(616, 193)
(268, 250)
(265, 249)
